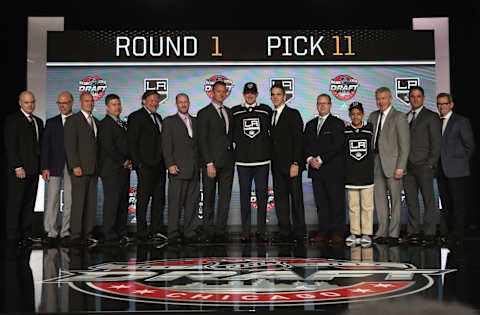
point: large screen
(347, 67)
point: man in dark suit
(453, 171)
(217, 160)
(22, 136)
(54, 170)
(114, 169)
(324, 149)
(287, 165)
(145, 149)
(180, 151)
(80, 135)
(425, 140)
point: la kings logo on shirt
(358, 148)
(251, 127)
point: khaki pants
(365, 195)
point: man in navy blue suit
(453, 174)
(54, 170)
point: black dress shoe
(414, 238)
(381, 240)
(76, 241)
(428, 240)
(392, 241)
(125, 239)
(159, 236)
(245, 238)
(65, 241)
(261, 237)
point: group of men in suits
(409, 150)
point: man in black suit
(453, 173)
(324, 148)
(114, 169)
(425, 141)
(22, 135)
(216, 157)
(180, 151)
(55, 170)
(80, 135)
(287, 165)
(145, 149)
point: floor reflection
(22, 292)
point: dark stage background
(251, 15)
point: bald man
(23, 133)
(55, 171)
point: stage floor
(236, 276)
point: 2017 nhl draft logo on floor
(250, 281)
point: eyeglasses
(63, 103)
(439, 104)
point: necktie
(377, 138)
(90, 122)
(156, 122)
(320, 124)
(32, 123)
(274, 122)
(189, 126)
(224, 118)
(413, 118)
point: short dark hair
(447, 95)
(110, 97)
(148, 93)
(416, 87)
(218, 82)
(326, 95)
(181, 94)
(278, 86)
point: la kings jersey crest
(358, 148)
(251, 127)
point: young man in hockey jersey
(359, 176)
(251, 134)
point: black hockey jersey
(251, 134)
(359, 156)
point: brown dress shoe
(318, 238)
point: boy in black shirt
(359, 176)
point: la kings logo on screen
(402, 88)
(217, 281)
(358, 148)
(159, 85)
(288, 84)
(251, 127)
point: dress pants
(388, 221)
(215, 222)
(288, 189)
(183, 193)
(50, 216)
(420, 178)
(454, 199)
(151, 184)
(22, 194)
(246, 174)
(116, 189)
(84, 205)
(329, 193)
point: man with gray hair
(54, 171)
(391, 148)
(22, 137)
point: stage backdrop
(348, 65)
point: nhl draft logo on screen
(288, 84)
(222, 281)
(94, 85)
(160, 85)
(208, 84)
(343, 87)
(402, 88)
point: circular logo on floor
(250, 281)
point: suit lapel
(450, 124)
(282, 116)
(181, 123)
(86, 124)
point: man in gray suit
(391, 147)
(425, 141)
(180, 152)
(81, 149)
